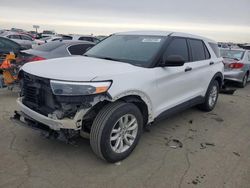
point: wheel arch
(141, 100)
(140, 103)
(218, 77)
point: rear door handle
(188, 69)
(211, 63)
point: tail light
(36, 58)
(236, 65)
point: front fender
(144, 97)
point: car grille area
(37, 94)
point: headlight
(78, 88)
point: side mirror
(174, 61)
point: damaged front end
(57, 111)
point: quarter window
(207, 54)
(215, 48)
(178, 47)
(198, 50)
(79, 49)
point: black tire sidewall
(243, 81)
(106, 149)
(212, 84)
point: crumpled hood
(78, 68)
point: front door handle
(211, 63)
(188, 69)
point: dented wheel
(116, 131)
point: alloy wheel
(123, 133)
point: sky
(221, 20)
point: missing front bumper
(53, 124)
(63, 135)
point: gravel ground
(215, 152)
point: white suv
(123, 83)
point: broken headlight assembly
(65, 88)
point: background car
(56, 49)
(25, 41)
(7, 46)
(246, 46)
(237, 65)
(47, 33)
(89, 38)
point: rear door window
(23, 37)
(178, 46)
(79, 49)
(198, 50)
(14, 37)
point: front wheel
(116, 131)
(211, 97)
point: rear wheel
(116, 131)
(244, 81)
(211, 97)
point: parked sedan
(237, 65)
(56, 49)
(24, 40)
(7, 46)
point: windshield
(232, 54)
(134, 49)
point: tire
(107, 126)
(244, 81)
(212, 94)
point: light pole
(36, 27)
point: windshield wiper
(108, 58)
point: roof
(151, 33)
(165, 33)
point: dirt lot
(215, 152)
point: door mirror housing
(174, 61)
